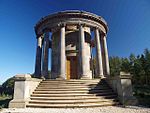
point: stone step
(71, 92)
(73, 80)
(71, 89)
(70, 85)
(75, 83)
(74, 97)
(71, 101)
(72, 105)
(65, 85)
(68, 82)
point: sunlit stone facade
(71, 36)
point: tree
(147, 66)
(8, 86)
(125, 65)
(115, 65)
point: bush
(8, 86)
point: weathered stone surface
(82, 54)
(106, 57)
(99, 65)
(62, 71)
(37, 72)
(73, 18)
(71, 37)
(123, 87)
(45, 55)
(24, 86)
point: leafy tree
(125, 65)
(8, 86)
(147, 66)
(138, 66)
(115, 65)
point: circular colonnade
(69, 36)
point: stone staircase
(72, 93)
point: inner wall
(73, 62)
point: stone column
(62, 57)
(99, 65)
(37, 72)
(82, 52)
(106, 57)
(45, 55)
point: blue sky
(128, 21)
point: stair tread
(73, 101)
(70, 86)
(69, 102)
(73, 105)
(73, 98)
(72, 93)
(82, 91)
(74, 80)
(67, 89)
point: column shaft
(106, 56)
(99, 65)
(82, 52)
(37, 72)
(45, 55)
(62, 54)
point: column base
(54, 75)
(100, 76)
(42, 77)
(85, 77)
(37, 75)
(60, 77)
(44, 74)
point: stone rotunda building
(71, 35)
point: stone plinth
(24, 86)
(123, 87)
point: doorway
(71, 67)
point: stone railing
(122, 85)
(24, 87)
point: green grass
(4, 101)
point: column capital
(81, 24)
(103, 34)
(45, 30)
(61, 24)
(39, 35)
(96, 27)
